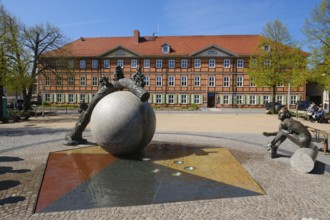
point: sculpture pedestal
(303, 159)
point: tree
(317, 31)
(39, 40)
(25, 48)
(277, 60)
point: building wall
(207, 94)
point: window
(226, 81)
(83, 80)
(158, 81)
(159, 99)
(226, 99)
(171, 63)
(197, 99)
(82, 97)
(211, 80)
(47, 81)
(253, 63)
(58, 64)
(166, 48)
(280, 84)
(184, 63)
(95, 64)
(240, 63)
(146, 63)
(120, 52)
(183, 80)
(159, 63)
(70, 98)
(265, 99)
(71, 80)
(252, 82)
(106, 64)
(197, 80)
(279, 99)
(82, 64)
(253, 100)
(170, 99)
(58, 81)
(197, 63)
(120, 63)
(293, 100)
(184, 99)
(239, 82)
(226, 63)
(171, 81)
(239, 99)
(95, 81)
(134, 63)
(147, 80)
(267, 62)
(212, 52)
(47, 98)
(59, 97)
(266, 48)
(211, 63)
(71, 64)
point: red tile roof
(242, 45)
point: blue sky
(106, 18)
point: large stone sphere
(122, 124)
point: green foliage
(317, 30)
(281, 63)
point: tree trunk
(274, 98)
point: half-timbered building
(180, 71)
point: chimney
(136, 36)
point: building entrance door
(211, 100)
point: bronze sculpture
(291, 129)
(74, 136)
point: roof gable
(119, 51)
(213, 51)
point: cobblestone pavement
(24, 149)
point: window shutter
(163, 98)
(257, 100)
(261, 99)
(174, 98)
(243, 99)
(154, 98)
(166, 100)
(200, 99)
(247, 99)
(54, 97)
(66, 97)
(90, 97)
(74, 98)
(188, 98)
(221, 99)
(230, 99)
(192, 99)
(284, 99)
(179, 99)
(150, 99)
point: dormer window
(166, 48)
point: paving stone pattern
(24, 149)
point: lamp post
(42, 101)
(289, 95)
